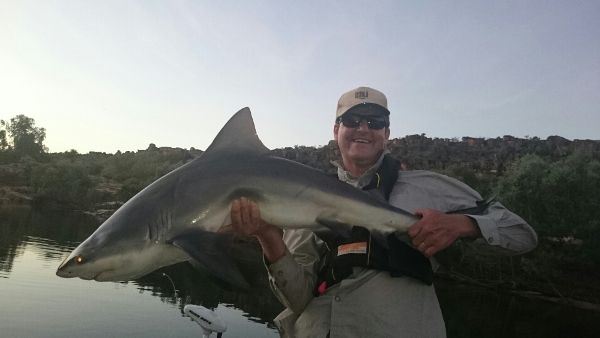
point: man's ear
(387, 137)
(336, 128)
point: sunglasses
(373, 122)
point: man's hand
(436, 231)
(246, 220)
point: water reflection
(478, 312)
(194, 287)
(57, 232)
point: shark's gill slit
(150, 232)
(163, 217)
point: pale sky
(119, 75)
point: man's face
(361, 145)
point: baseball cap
(361, 95)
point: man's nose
(363, 125)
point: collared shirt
(371, 303)
(363, 180)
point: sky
(119, 75)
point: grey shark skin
(179, 216)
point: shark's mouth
(88, 276)
(109, 276)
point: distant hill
(477, 161)
(491, 155)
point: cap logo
(361, 95)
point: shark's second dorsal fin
(238, 136)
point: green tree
(27, 139)
(521, 189)
(62, 184)
(3, 141)
(559, 199)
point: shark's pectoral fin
(334, 229)
(333, 225)
(211, 251)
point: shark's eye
(79, 259)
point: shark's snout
(67, 270)
(62, 271)
(75, 265)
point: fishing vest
(391, 254)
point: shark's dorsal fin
(238, 136)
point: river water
(34, 302)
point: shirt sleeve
(502, 231)
(293, 277)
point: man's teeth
(360, 140)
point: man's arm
(292, 257)
(430, 195)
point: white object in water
(207, 319)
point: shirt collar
(364, 179)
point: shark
(181, 216)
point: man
(368, 300)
